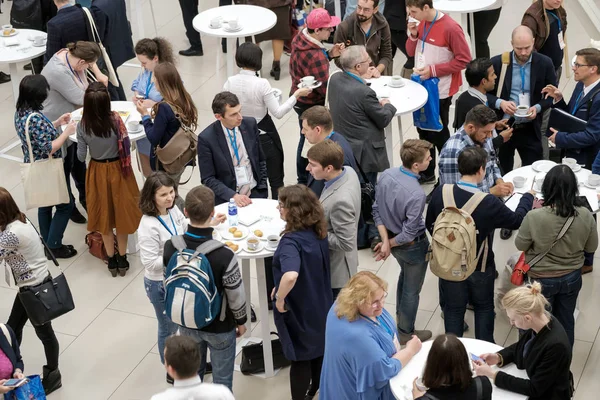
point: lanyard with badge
(577, 105)
(167, 226)
(149, 85)
(71, 68)
(523, 96)
(241, 173)
(382, 324)
(421, 57)
(561, 39)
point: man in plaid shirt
(476, 131)
(310, 58)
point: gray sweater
(65, 95)
(540, 228)
(100, 148)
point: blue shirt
(399, 204)
(448, 162)
(519, 86)
(332, 181)
(141, 83)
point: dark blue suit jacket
(118, 42)
(216, 165)
(70, 25)
(584, 145)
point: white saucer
(575, 168)
(244, 247)
(543, 165)
(141, 128)
(314, 86)
(39, 45)
(402, 84)
(12, 34)
(228, 29)
(587, 185)
(270, 249)
(215, 27)
(524, 115)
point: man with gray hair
(359, 116)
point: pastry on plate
(232, 229)
(258, 233)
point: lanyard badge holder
(421, 56)
(241, 173)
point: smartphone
(510, 122)
(15, 382)
(476, 358)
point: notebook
(562, 121)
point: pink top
(6, 367)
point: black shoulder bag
(367, 196)
(253, 360)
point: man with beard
(367, 27)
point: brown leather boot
(586, 269)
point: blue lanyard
(149, 85)
(195, 236)
(71, 68)
(166, 226)
(233, 141)
(355, 77)
(463, 183)
(368, 33)
(523, 79)
(381, 323)
(557, 20)
(405, 172)
(577, 105)
(326, 53)
(329, 136)
(426, 31)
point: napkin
(11, 42)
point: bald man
(527, 74)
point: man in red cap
(310, 58)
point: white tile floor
(108, 343)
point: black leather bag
(48, 300)
(367, 196)
(253, 361)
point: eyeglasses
(577, 65)
(380, 302)
(368, 61)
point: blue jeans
(222, 353)
(52, 228)
(562, 295)
(155, 290)
(478, 289)
(413, 267)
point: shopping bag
(428, 116)
(32, 390)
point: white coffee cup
(76, 117)
(594, 180)
(272, 241)
(7, 29)
(519, 181)
(233, 23)
(522, 110)
(569, 161)
(253, 243)
(538, 184)
(216, 22)
(39, 40)
(133, 125)
(308, 81)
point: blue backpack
(191, 296)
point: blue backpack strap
(179, 242)
(208, 246)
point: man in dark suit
(70, 25)
(395, 13)
(230, 158)
(118, 42)
(527, 73)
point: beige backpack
(454, 254)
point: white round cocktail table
(406, 99)
(466, 8)
(252, 19)
(402, 383)
(268, 220)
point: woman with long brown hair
(111, 190)
(302, 292)
(176, 108)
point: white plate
(229, 236)
(228, 29)
(12, 34)
(244, 247)
(543, 165)
(314, 86)
(587, 185)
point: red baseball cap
(320, 18)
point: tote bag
(428, 116)
(112, 76)
(32, 390)
(43, 180)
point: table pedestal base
(389, 139)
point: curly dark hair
(304, 211)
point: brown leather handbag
(96, 246)
(179, 151)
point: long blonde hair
(527, 299)
(359, 290)
(173, 92)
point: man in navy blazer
(538, 72)
(70, 25)
(584, 104)
(229, 150)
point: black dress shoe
(208, 369)
(252, 315)
(376, 240)
(77, 217)
(191, 52)
(4, 77)
(224, 45)
(505, 234)
(64, 252)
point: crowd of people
(331, 319)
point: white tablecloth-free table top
(252, 19)
(25, 51)
(402, 383)
(134, 115)
(462, 6)
(530, 174)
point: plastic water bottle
(233, 213)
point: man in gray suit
(341, 204)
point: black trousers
(273, 150)
(305, 375)
(17, 320)
(484, 24)
(399, 42)
(76, 169)
(438, 139)
(526, 142)
(189, 9)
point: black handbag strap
(560, 235)
(479, 389)
(362, 173)
(44, 243)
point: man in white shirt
(182, 361)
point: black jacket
(395, 13)
(216, 165)
(118, 42)
(70, 25)
(12, 351)
(542, 74)
(547, 364)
